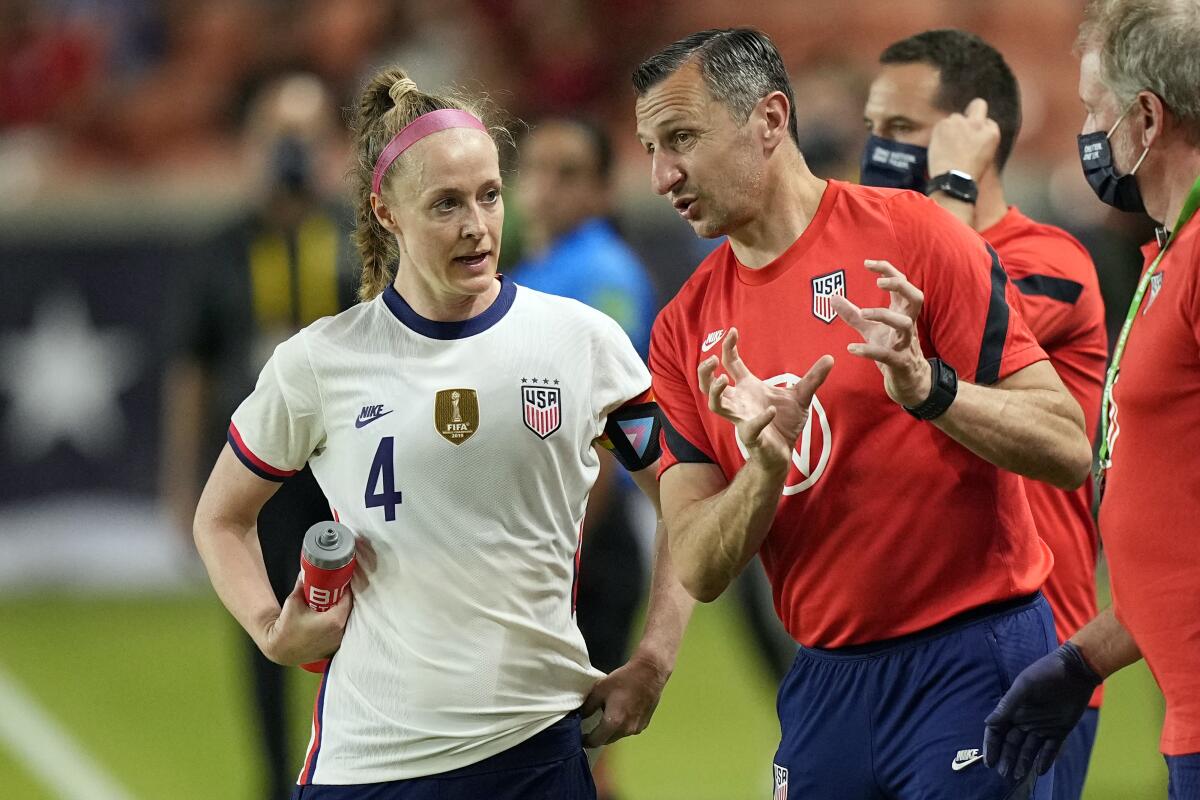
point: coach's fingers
(850, 314)
(704, 372)
(897, 321)
(1046, 756)
(807, 386)
(731, 359)
(750, 430)
(715, 389)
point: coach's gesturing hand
(890, 335)
(769, 419)
(299, 634)
(1038, 712)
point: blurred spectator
(283, 266)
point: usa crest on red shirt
(825, 287)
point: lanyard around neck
(1114, 368)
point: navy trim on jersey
(684, 451)
(436, 329)
(995, 329)
(320, 725)
(643, 419)
(252, 462)
(1062, 289)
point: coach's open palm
(769, 419)
(890, 335)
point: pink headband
(417, 130)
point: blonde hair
(390, 101)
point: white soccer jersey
(463, 451)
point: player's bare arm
(227, 540)
(715, 527)
(630, 695)
(1026, 423)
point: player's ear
(383, 213)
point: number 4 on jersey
(383, 472)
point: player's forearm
(713, 539)
(1106, 645)
(232, 556)
(1038, 433)
(668, 610)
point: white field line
(49, 752)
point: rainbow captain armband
(632, 432)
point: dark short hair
(968, 67)
(740, 66)
(597, 138)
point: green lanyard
(1189, 208)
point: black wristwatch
(956, 184)
(942, 391)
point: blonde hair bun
(401, 88)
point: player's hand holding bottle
(769, 419)
(299, 634)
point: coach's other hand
(1036, 714)
(890, 335)
(768, 419)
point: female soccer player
(450, 419)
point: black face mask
(291, 165)
(1119, 191)
(894, 165)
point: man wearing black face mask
(917, 130)
(1140, 148)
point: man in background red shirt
(1140, 150)
(943, 114)
(891, 519)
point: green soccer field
(152, 690)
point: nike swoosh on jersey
(711, 341)
(956, 765)
(361, 421)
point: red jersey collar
(785, 260)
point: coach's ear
(772, 115)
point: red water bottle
(327, 561)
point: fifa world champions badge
(456, 414)
(824, 287)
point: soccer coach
(1140, 148)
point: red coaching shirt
(1059, 298)
(1150, 514)
(886, 525)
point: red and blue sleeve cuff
(253, 463)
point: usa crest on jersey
(542, 409)
(781, 781)
(824, 287)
